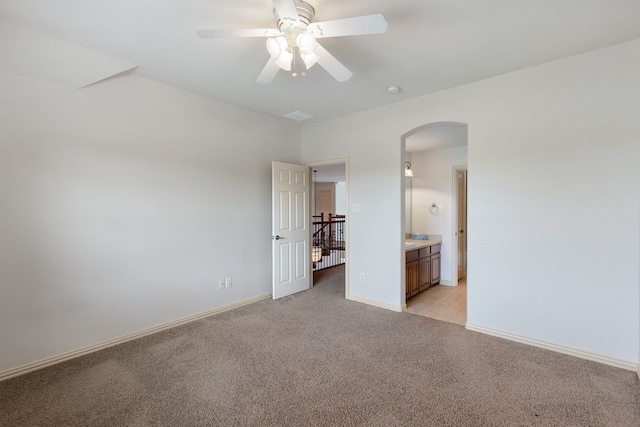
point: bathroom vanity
(422, 265)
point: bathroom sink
(409, 244)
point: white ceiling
(430, 45)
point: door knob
(277, 237)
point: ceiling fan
(293, 45)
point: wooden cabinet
(422, 269)
(412, 274)
(424, 275)
(435, 269)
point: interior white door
(291, 229)
(461, 178)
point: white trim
(446, 283)
(129, 337)
(624, 364)
(376, 303)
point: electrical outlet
(222, 284)
(228, 282)
(362, 277)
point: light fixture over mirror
(407, 170)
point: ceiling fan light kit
(309, 59)
(296, 38)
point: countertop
(417, 244)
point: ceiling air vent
(298, 116)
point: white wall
(325, 197)
(375, 232)
(432, 182)
(341, 198)
(122, 205)
(554, 158)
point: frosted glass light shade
(306, 43)
(276, 46)
(309, 59)
(316, 254)
(273, 47)
(284, 61)
(407, 170)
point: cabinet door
(411, 278)
(435, 269)
(424, 275)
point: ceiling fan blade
(332, 65)
(359, 25)
(237, 32)
(286, 9)
(268, 72)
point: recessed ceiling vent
(298, 116)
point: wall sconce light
(407, 170)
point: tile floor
(447, 303)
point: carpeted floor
(317, 359)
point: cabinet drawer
(435, 249)
(425, 252)
(412, 256)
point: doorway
(329, 201)
(460, 220)
(437, 153)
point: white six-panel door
(291, 229)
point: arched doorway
(437, 153)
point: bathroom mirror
(407, 206)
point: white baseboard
(375, 303)
(110, 343)
(624, 364)
(447, 283)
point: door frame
(455, 226)
(333, 162)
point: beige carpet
(317, 359)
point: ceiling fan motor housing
(306, 14)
